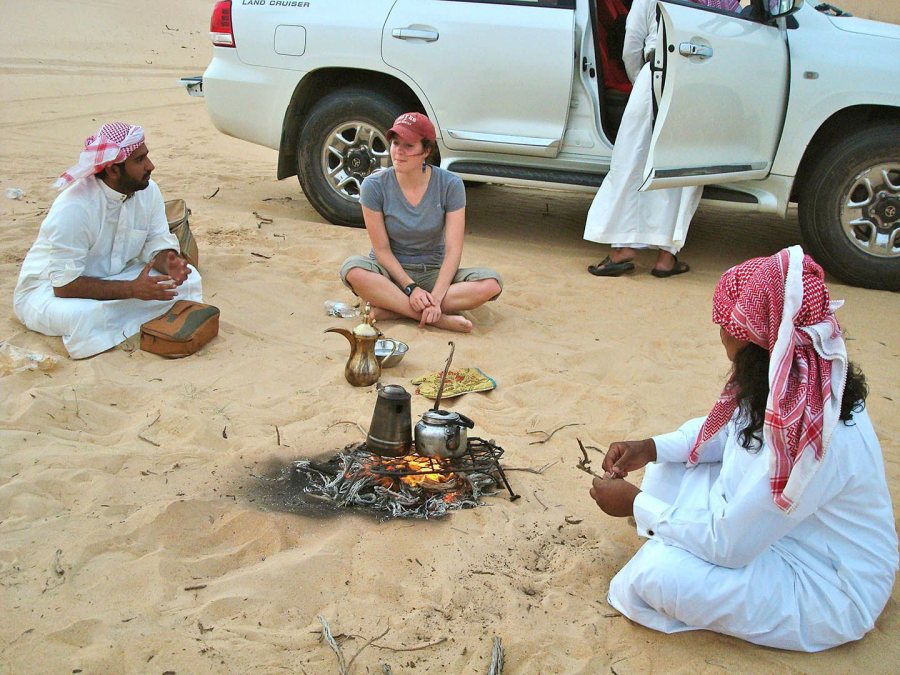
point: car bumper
(193, 85)
(248, 102)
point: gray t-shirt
(416, 233)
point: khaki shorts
(424, 275)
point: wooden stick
(550, 435)
(496, 658)
(356, 424)
(530, 469)
(411, 649)
(377, 637)
(584, 462)
(440, 391)
(329, 639)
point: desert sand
(132, 536)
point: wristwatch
(410, 288)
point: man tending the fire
(770, 519)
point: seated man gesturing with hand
(104, 261)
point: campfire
(412, 486)
(442, 470)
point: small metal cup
(389, 352)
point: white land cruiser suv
(783, 102)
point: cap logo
(407, 118)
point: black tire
(353, 122)
(850, 213)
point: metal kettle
(390, 433)
(363, 368)
(442, 433)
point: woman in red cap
(769, 519)
(415, 214)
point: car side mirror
(779, 8)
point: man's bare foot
(454, 322)
(619, 255)
(668, 265)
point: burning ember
(403, 487)
(427, 473)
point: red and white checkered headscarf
(781, 303)
(112, 143)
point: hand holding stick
(584, 462)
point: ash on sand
(347, 480)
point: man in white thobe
(768, 520)
(104, 261)
(620, 215)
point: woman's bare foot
(455, 322)
(381, 314)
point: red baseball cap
(412, 127)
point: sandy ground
(131, 533)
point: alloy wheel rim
(352, 151)
(870, 211)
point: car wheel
(850, 208)
(341, 142)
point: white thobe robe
(620, 214)
(722, 557)
(94, 231)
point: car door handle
(690, 49)
(415, 34)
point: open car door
(498, 75)
(720, 83)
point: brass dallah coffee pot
(363, 368)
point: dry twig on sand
(411, 649)
(368, 642)
(330, 641)
(355, 424)
(496, 658)
(58, 569)
(343, 665)
(144, 438)
(550, 434)
(531, 469)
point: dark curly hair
(749, 382)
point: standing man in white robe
(620, 215)
(104, 261)
(770, 519)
